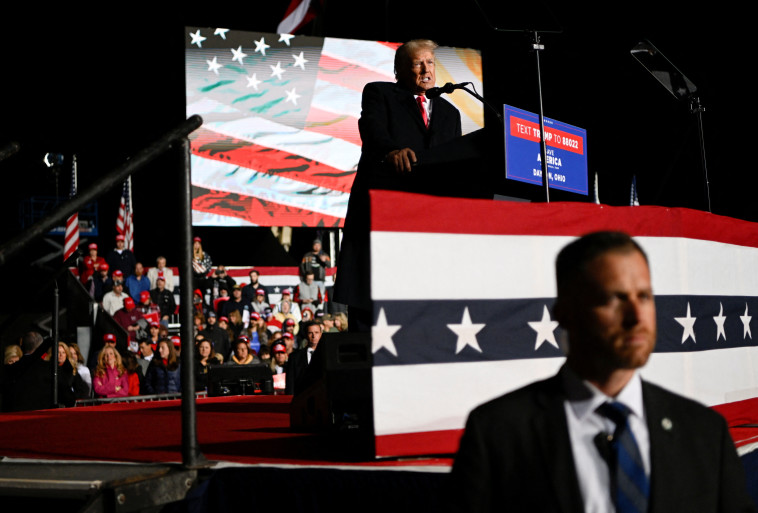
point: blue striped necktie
(630, 487)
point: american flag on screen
(125, 220)
(279, 143)
(452, 332)
(71, 238)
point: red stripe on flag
(405, 212)
(257, 211)
(224, 148)
(346, 74)
(71, 240)
(334, 125)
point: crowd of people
(233, 324)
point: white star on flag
(285, 38)
(300, 60)
(720, 320)
(746, 323)
(688, 323)
(221, 32)
(213, 65)
(238, 54)
(292, 96)
(253, 82)
(260, 46)
(276, 71)
(381, 334)
(545, 329)
(466, 332)
(197, 39)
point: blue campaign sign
(566, 151)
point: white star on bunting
(238, 55)
(213, 65)
(720, 320)
(260, 46)
(545, 329)
(276, 71)
(466, 332)
(197, 39)
(221, 32)
(746, 324)
(253, 82)
(285, 38)
(292, 96)
(300, 60)
(688, 323)
(381, 334)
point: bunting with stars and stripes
(71, 237)
(467, 313)
(279, 145)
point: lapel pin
(666, 424)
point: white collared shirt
(584, 423)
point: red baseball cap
(287, 334)
(128, 303)
(103, 267)
(120, 237)
(144, 295)
(279, 348)
(176, 340)
(92, 246)
(109, 337)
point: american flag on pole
(125, 220)
(467, 315)
(279, 143)
(71, 238)
(299, 12)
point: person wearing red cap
(113, 301)
(250, 291)
(121, 258)
(90, 263)
(163, 298)
(100, 283)
(128, 318)
(280, 358)
(201, 263)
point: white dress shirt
(584, 423)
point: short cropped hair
(402, 54)
(573, 259)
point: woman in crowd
(81, 369)
(163, 373)
(134, 373)
(13, 354)
(205, 357)
(111, 379)
(340, 321)
(71, 386)
(241, 354)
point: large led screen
(279, 144)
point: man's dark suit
(295, 368)
(515, 455)
(390, 120)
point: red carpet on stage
(241, 429)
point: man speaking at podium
(596, 437)
(397, 121)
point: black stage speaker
(253, 379)
(335, 396)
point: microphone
(448, 88)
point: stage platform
(127, 457)
(119, 455)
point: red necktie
(421, 100)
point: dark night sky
(106, 88)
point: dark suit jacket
(515, 455)
(295, 368)
(390, 120)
